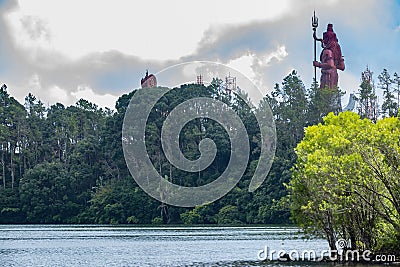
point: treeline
(368, 104)
(66, 165)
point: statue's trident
(314, 24)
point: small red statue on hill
(331, 58)
(148, 81)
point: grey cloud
(117, 73)
(361, 29)
(108, 72)
(35, 28)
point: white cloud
(279, 54)
(54, 94)
(348, 82)
(253, 65)
(50, 94)
(47, 94)
(57, 94)
(244, 65)
(106, 100)
(54, 47)
(149, 30)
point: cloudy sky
(62, 51)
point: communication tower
(200, 79)
(230, 83)
(368, 100)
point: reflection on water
(45, 245)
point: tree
(34, 149)
(367, 99)
(229, 215)
(389, 106)
(45, 193)
(289, 106)
(396, 81)
(12, 121)
(199, 215)
(120, 201)
(343, 183)
(321, 102)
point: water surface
(44, 245)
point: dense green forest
(66, 165)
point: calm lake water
(44, 245)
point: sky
(65, 50)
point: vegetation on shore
(65, 164)
(346, 182)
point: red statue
(331, 58)
(148, 81)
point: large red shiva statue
(331, 58)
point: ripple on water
(146, 246)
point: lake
(88, 245)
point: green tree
(290, 108)
(389, 106)
(229, 215)
(342, 184)
(79, 146)
(12, 121)
(45, 193)
(203, 214)
(321, 102)
(367, 99)
(396, 81)
(191, 217)
(118, 202)
(35, 149)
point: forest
(65, 165)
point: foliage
(76, 152)
(46, 192)
(389, 106)
(66, 165)
(367, 99)
(346, 180)
(229, 215)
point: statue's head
(330, 41)
(329, 36)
